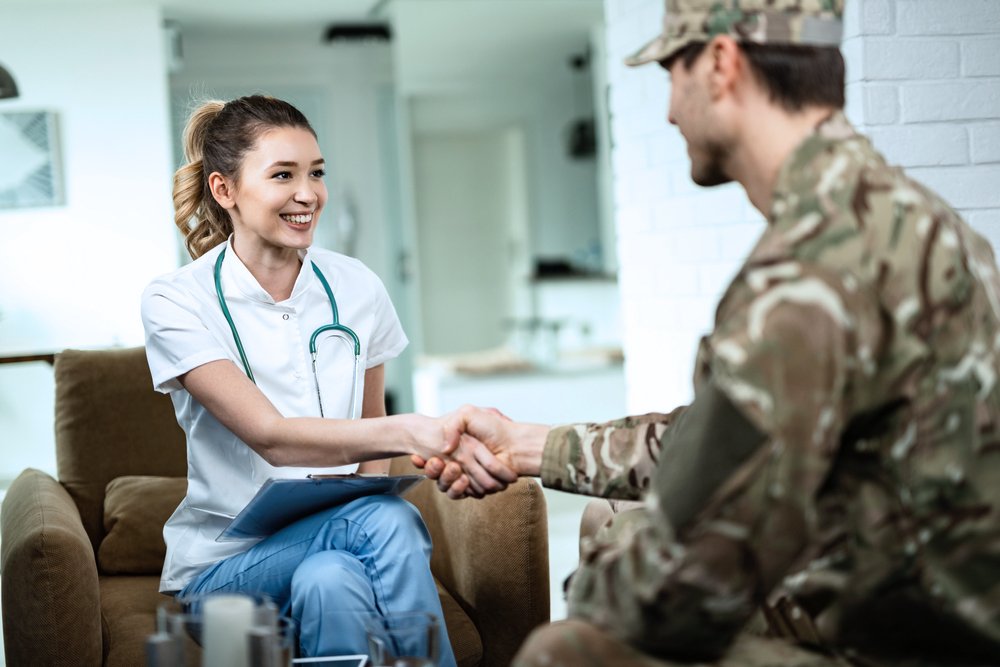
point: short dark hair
(687, 54)
(794, 76)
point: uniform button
(285, 316)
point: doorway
(472, 230)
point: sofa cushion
(135, 509)
(128, 617)
(109, 423)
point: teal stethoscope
(335, 326)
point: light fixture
(357, 33)
(8, 88)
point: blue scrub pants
(329, 570)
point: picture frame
(30, 161)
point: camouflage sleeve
(616, 459)
(680, 577)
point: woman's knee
(399, 510)
(397, 522)
(332, 575)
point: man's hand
(445, 439)
(474, 471)
(511, 449)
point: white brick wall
(923, 82)
(928, 75)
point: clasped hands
(485, 452)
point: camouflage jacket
(860, 341)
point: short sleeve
(387, 339)
(177, 339)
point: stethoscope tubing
(339, 330)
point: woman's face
(280, 192)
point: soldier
(839, 466)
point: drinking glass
(411, 639)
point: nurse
(228, 337)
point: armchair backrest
(110, 423)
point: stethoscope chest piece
(335, 327)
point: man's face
(693, 112)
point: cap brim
(658, 49)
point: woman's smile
(297, 218)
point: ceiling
(465, 42)
(263, 13)
(436, 43)
(239, 13)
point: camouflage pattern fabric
(861, 336)
(606, 460)
(810, 22)
(573, 643)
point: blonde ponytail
(197, 215)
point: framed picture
(30, 165)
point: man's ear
(223, 190)
(727, 65)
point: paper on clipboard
(280, 502)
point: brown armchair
(81, 556)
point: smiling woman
(274, 202)
(271, 156)
(258, 294)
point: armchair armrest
(49, 577)
(492, 556)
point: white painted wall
(924, 80)
(71, 275)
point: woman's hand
(487, 446)
(442, 439)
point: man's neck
(768, 139)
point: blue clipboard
(280, 502)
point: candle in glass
(227, 620)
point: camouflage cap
(811, 22)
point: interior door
(471, 229)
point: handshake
(481, 452)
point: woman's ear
(223, 190)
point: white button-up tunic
(185, 328)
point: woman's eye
(319, 173)
(283, 175)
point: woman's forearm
(308, 441)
